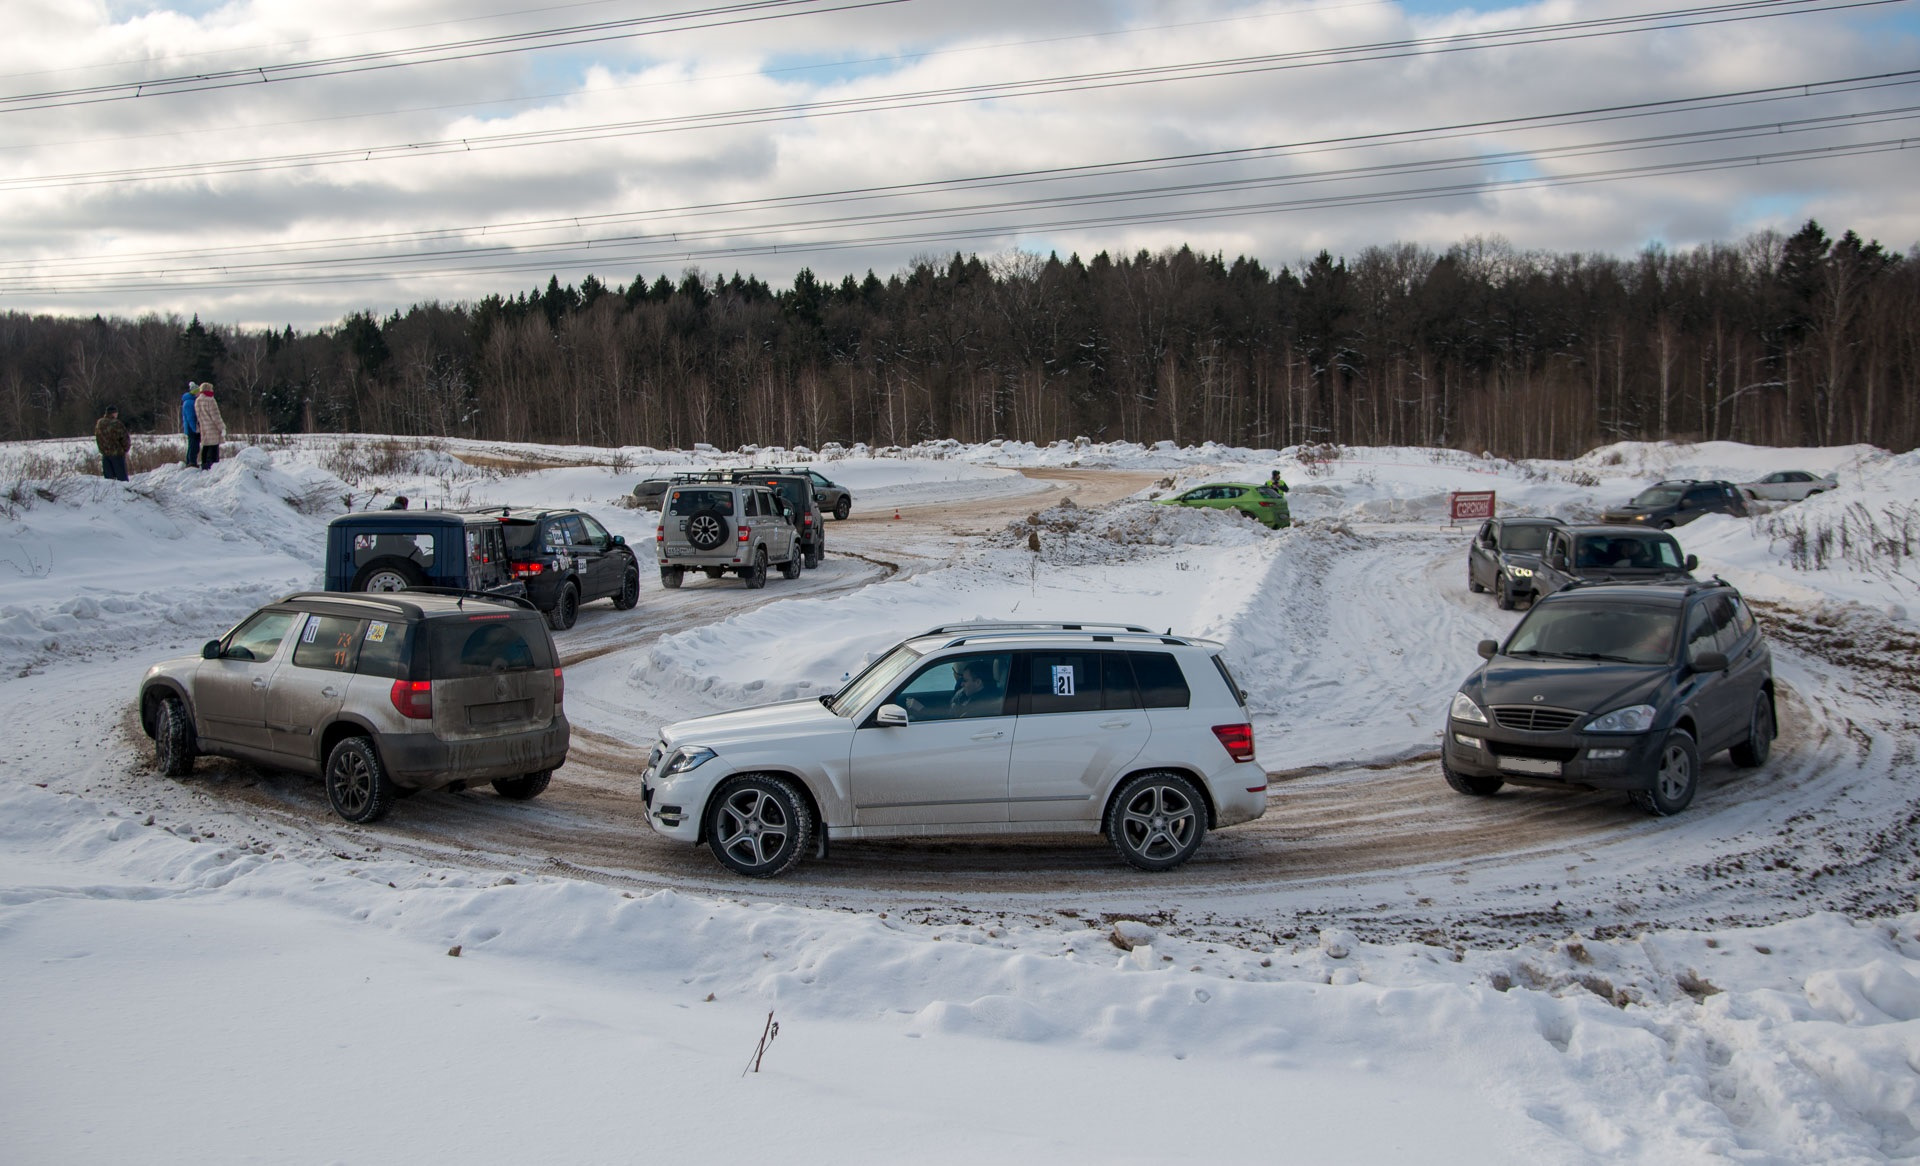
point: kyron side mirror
(1488, 649)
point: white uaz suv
(984, 728)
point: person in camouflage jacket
(110, 435)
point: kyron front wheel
(1676, 777)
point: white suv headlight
(685, 759)
(1637, 719)
(1465, 710)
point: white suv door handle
(994, 736)
(259, 682)
(1115, 724)
(329, 690)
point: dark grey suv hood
(1595, 686)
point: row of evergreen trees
(1782, 340)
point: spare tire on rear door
(707, 528)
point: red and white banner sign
(1470, 505)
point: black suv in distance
(808, 522)
(834, 498)
(383, 695)
(565, 559)
(1593, 553)
(1666, 505)
(1504, 556)
(1622, 686)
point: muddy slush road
(1338, 845)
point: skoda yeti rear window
(473, 646)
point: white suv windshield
(879, 675)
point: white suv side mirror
(890, 714)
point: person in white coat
(213, 430)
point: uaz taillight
(746, 532)
(1238, 740)
(413, 699)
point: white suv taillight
(1238, 740)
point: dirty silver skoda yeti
(719, 527)
(382, 694)
(975, 729)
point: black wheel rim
(1158, 822)
(350, 781)
(1676, 773)
(630, 594)
(753, 827)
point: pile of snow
(1074, 535)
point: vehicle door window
(1488, 536)
(593, 532)
(1701, 496)
(383, 650)
(1702, 632)
(1727, 634)
(577, 534)
(1666, 552)
(1742, 617)
(258, 638)
(328, 642)
(1067, 682)
(958, 687)
(1162, 684)
(417, 546)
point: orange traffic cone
(896, 513)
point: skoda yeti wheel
(758, 825)
(1676, 777)
(523, 788)
(628, 597)
(1479, 787)
(756, 575)
(566, 609)
(1157, 820)
(172, 737)
(358, 787)
(707, 529)
(1758, 746)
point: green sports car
(1260, 503)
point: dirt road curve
(1335, 845)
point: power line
(684, 246)
(1531, 122)
(964, 94)
(756, 11)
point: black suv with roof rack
(566, 558)
(1665, 505)
(382, 695)
(1616, 685)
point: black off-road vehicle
(1625, 686)
(1665, 505)
(1594, 553)
(566, 558)
(1505, 555)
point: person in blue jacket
(190, 423)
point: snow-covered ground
(191, 972)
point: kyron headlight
(1637, 719)
(1465, 710)
(686, 759)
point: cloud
(646, 154)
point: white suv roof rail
(1093, 635)
(997, 625)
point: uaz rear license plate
(1530, 765)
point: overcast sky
(287, 162)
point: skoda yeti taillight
(1238, 740)
(559, 688)
(413, 699)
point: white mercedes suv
(980, 728)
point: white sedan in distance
(1788, 486)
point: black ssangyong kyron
(1616, 686)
